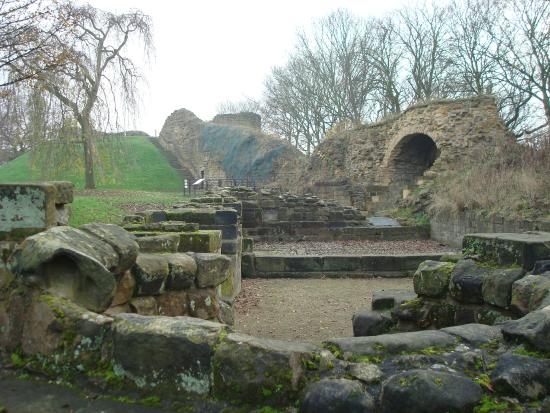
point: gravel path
(351, 247)
(306, 310)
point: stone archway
(410, 158)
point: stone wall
(225, 149)
(242, 119)
(383, 159)
(450, 228)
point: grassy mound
(132, 163)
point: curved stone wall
(430, 136)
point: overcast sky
(210, 51)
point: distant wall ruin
(372, 166)
(230, 147)
(242, 119)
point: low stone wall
(488, 288)
(450, 228)
(265, 266)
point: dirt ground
(309, 310)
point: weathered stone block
(199, 216)
(431, 279)
(70, 263)
(122, 242)
(226, 217)
(259, 370)
(497, 286)
(124, 289)
(532, 329)
(393, 343)
(530, 292)
(200, 241)
(231, 247)
(370, 323)
(146, 305)
(522, 249)
(178, 350)
(419, 391)
(159, 243)
(172, 303)
(466, 282)
(387, 300)
(182, 269)
(203, 303)
(26, 209)
(152, 216)
(150, 272)
(211, 269)
(337, 396)
(525, 377)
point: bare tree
(523, 52)
(96, 74)
(423, 33)
(245, 105)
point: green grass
(131, 163)
(111, 206)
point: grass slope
(110, 206)
(140, 167)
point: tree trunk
(88, 142)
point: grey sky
(210, 51)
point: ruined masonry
(147, 309)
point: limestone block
(259, 370)
(124, 289)
(431, 279)
(146, 305)
(370, 323)
(497, 286)
(133, 219)
(173, 303)
(525, 377)
(70, 263)
(152, 216)
(393, 343)
(212, 269)
(337, 396)
(53, 324)
(26, 209)
(203, 303)
(466, 282)
(199, 216)
(200, 241)
(122, 242)
(150, 272)
(182, 270)
(530, 292)
(179, 359)
(231, 287)
(532, 329)
(159, 243)
(417, 391)
(226, 217)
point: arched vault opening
(411, 157)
